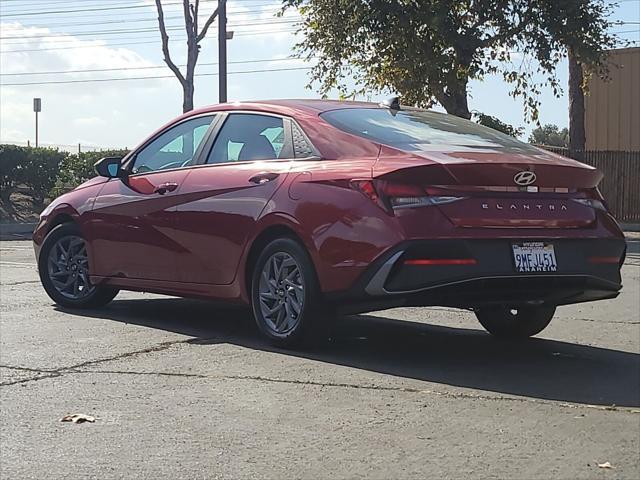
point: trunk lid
(484, 168)
(497, 188)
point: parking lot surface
(186, 389)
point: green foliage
(34, 168)
(428, 50)
(497, 124)
(550, 135)
(11, 157)
(40, 170)
(78, 168)
(45, 172)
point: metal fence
(71, 148)
(621, 183)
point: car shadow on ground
(537, 368)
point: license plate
(534, 257)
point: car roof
(287, 107)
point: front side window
(174, 148)
(246, 137)
(422, 130)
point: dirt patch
(21, 208)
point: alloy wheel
(281, 293)
(68, 267)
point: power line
(55, 12)
(21, 10)
(139, 30)
(141, 19)
(148, 42)
(119, 79)
(114, 10)
(101, 16)
(149, 67)
(96, 8)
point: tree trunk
(576, 109)
(454, 100)
(187, 96)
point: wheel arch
(59, 219)
(276, 227)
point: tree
(577, 136)
(497, 124)
(429, 50)
(550, 135)
(194, 37)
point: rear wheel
(522, 322)
(63, 266)
(285, 293)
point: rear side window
(247, 137)
(418, 130)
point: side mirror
(109, 167)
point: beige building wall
(612, 108)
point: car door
(248, 160)
(133, 219)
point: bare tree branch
(188, 20)
(194, 13)
(165, 44)
(206, 26)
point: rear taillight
(592, 203)
(394, 196)
(593, 199)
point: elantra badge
(524, 178)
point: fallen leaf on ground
(78, 418)
(605, 465)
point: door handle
(264, 177)
(165, 187)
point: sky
(40, 49)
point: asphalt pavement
(186, 389)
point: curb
(630, 227)
(17, 228)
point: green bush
(78, 168)
(35, 169)
(40, 170)
(45, 172)
(11, 157)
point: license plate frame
(534, 257)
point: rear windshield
(422, 130)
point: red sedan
(301, 208)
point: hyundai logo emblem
(524, 178)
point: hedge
(45, 172)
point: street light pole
(37, 107)
(222, 51)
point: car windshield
(422, 130)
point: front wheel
(63, 267)
(515, 323)
(285, 294)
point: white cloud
(73, 111)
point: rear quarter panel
(341, 228)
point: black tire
(96, 296)
(307, 326)
(515, 323)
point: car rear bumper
(588, 269)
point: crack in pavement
(80, 368)
(70, 369)
(19, 283)
(621, 322)
(454, 395)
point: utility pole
(37, 107)
(222, 51)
